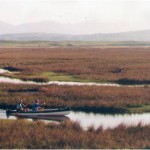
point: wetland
(107, 89)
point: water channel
(86, 120)
(18, 81)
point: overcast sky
(126, 14)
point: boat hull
(46, 118)
(39, 113)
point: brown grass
(94, 64)
(75, 96)
(38, 135)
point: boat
(39, 113)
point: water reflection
(90, 119)
(3, 115)
(109, 121)
(47, 118)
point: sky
(126, 14)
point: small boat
(39, 113)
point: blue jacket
(35, 106)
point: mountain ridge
(125, 36)
(53, 31)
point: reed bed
(38, 135)
(119, 64)
(75, 96)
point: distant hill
(126, 36)
(85, 27)
(53, 31)
(6, 28)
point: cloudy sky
(124, 14)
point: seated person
(20, 106)
(37, 106)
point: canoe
(44, 112)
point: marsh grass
(111, 64)
(38, 135)
(84, 98)
(70, 63)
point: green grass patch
(70, 43)
(140, 109)
(52, 76)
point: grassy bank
(86, 98)
(32, 135)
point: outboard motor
(7, 113)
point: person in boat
(20, 106)
(37, 105)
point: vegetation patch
(8, 75)
(78, 63)
(35, 79)
(54, 76)
(139, 109)
(81, 98)
(22, 134)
